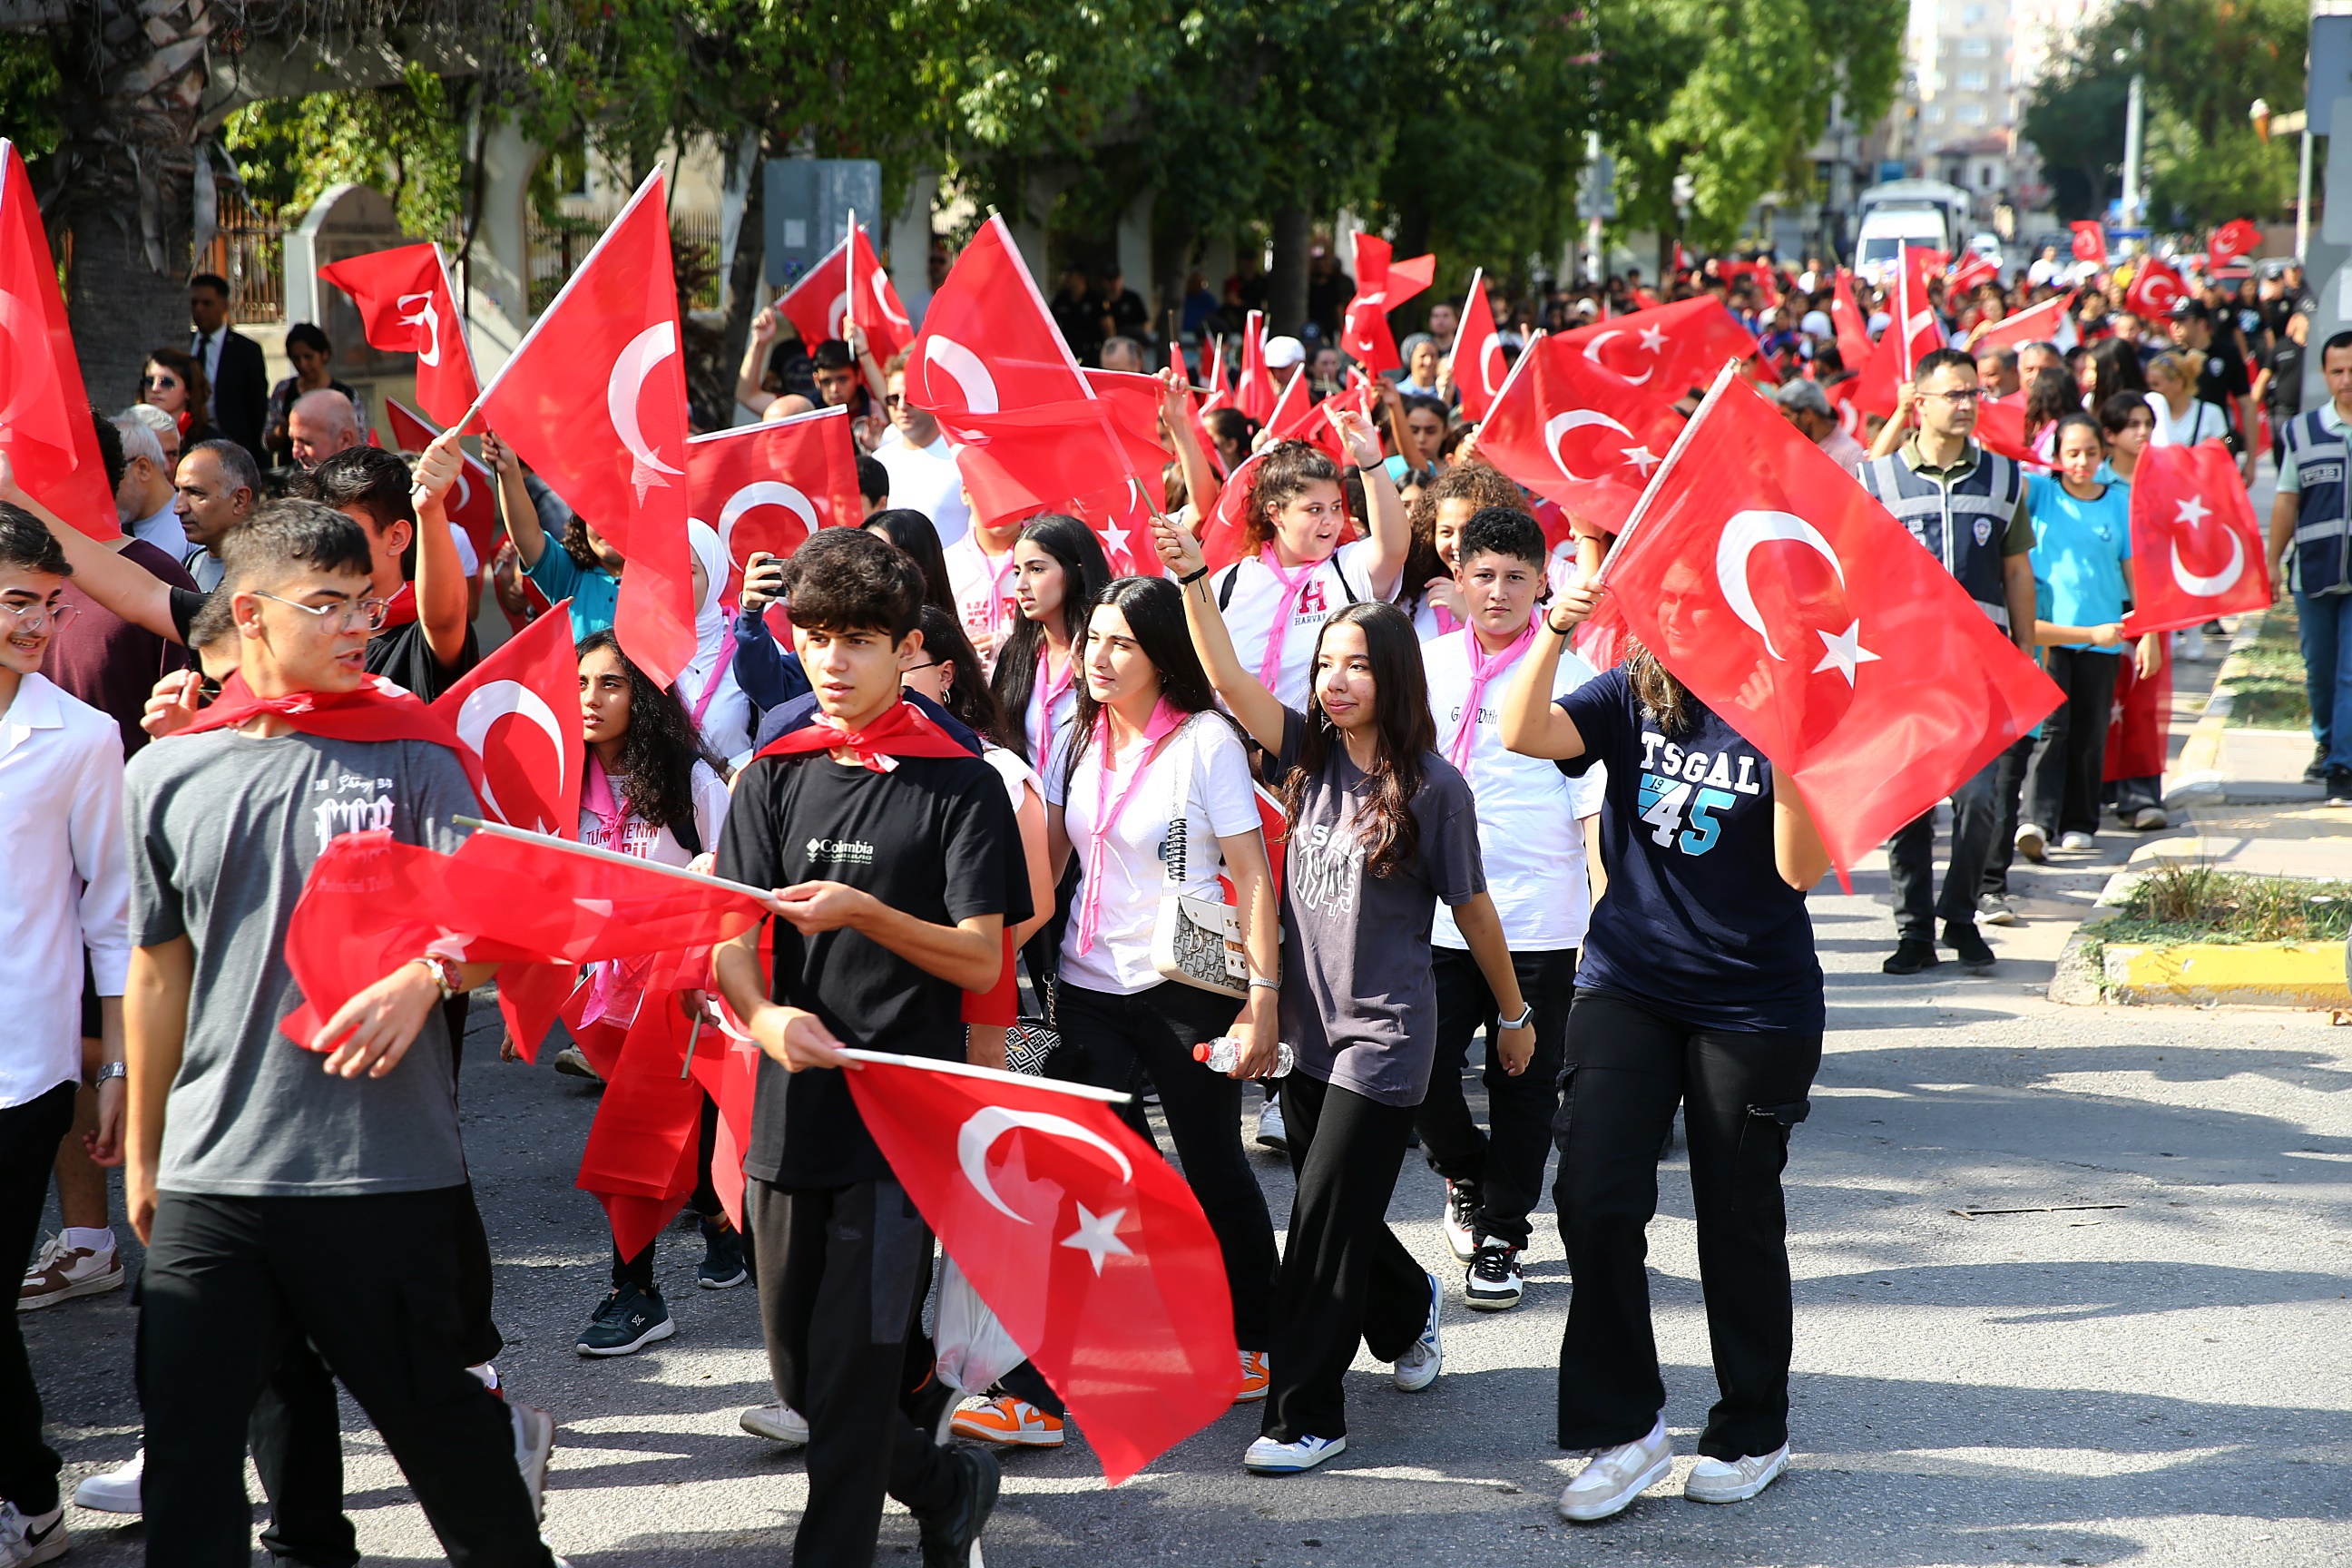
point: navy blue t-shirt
(1697, 923)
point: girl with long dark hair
(1058, 567)
(1697, 986)
(649, 790)
(1380, 828)
(911, 531)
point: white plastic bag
(974, 1350)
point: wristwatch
(110, 1071)
(1526, 1015)
(444, 971)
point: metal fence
(249, 250)
(559, 245)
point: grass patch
(2268, 676)
(2187, 902)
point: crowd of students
(986, 778)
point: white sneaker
(1460, 1220)
(534, 1432)
(2077, 841)
(2030, 841)
(1268, 1457)
(1617, 1476)
(1269, 1127)
(2149, 818)
(1418, 1366)
(777, 1423)
(39, 1538)
(1715, 1480)
(115, 1490)
(63, 1273)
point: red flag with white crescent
(1087, 1245)
(518, 711)
(1665, 351)
(2196, 549)
(989, 344)
(595, 400)
(2051, 322)
(473, 500)
(1476, 365)
(2090, 242)
(1791, 604)
(769, 486)
(2156, 287)
(849, 284)
(406, 306)
(1911, 336)
(2233, 239)
(1571, 430)
(1382, 286)
(45, 417)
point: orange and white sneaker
(1005, 1422)
(1255, 1379)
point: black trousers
(640, 1271)
(1628, 1067)
(2008, 790)
(1911, 863)
(29, 1135)
(2063, 782)
(230, 1287)
(842, 1276)
(1507, 1165)
(1121, 1038)
(1344, 1275)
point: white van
(1886, 230)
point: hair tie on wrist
(1189, 579)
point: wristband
(1190, 578)
(1527, 1016)
(111, 1070)
(1259, 983)
(1567, 631)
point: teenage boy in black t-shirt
(889, 862)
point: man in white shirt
(1805, 406)
(922, 467)
(145, 501)
(2046, 267)
(61, 838)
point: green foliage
(2197, 181)
(29, 90)
(403, 141)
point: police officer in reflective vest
(2311, 553)
(1967, 507)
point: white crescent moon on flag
(465, 491)
(426, 316)
(963, 367)
(989, 1122)
(834, 313)
(1559, 424)
(760, 493)
(1592, 356)
(880, 284)
(627, 384)
(1492, 372)
(2220, 582)
(1743, 533)
(495, 699)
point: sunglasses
(159, 383)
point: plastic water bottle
(1224, 1053)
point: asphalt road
(2161, 1379)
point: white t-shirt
(725, 722)
(1530, 833)
(983, 586)
(2203, 421)
(925, 478)
(1202, 762)
(659, 845)
(1335, 583)
(1048, 759)
(1019, 777)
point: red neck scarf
(376, 712)
(400, 609)
(901, 730)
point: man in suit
(232, 362)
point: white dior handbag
(1196, 938)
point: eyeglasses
(353, 612)
(892, 400)
(1965, 394)
(33, 617)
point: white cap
(1282, 353)
(1817, 322)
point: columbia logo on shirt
(842, 851)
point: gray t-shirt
(224, 828)
(1359, 1003)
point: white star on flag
(1114, 539)
(1097, 1235)
(1845, 651)
(1654, 339)
(1642, 459)
(2193, 511)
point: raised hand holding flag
(473, 501)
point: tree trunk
(1285, 298)
(125, 183)
(1172, 258)
(744, 277)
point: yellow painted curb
(2273, 974)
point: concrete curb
(2199, 779)
(2093, 973)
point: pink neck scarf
(609, 991)
(1049, 692)
(1269, 669)
(1484, 667)
(1164, 719)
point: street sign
(805, 206)
(1596, 188)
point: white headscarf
(726, 717)
(709, 620)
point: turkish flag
(1910, 337)
(2001, 427)
(1224, 532)
(2156, 287)
(1666, 351)
(2197, 550)
(1852, 327)
(1293, 407)
(771, 485)
(1575, 434)
(1220, 391)
(2051, 322)
(1134, 401)
(406, 306)
(2233, 239)
(594, 399)
(1255, 395)
(1024, 461)
(2138, 718)
(518, 711)
(2090, 242)
(1086, 1245)
(640, 1156)
(1768, 290)
(45, 427)
(473, 501)
(1791, 604)
(1477, 364)
(1972, 269)
(988, 343)
(849, 285)
(1381, 287)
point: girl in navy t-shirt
(1698, 987)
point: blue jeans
(2327, 628)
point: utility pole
(2132, 117)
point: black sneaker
(1969, 946)
(2317, 771)
(2339, 786)
(1462, 1220)
(627, 1322)
(952, 1536)
(721, 1267)
(1494, 1283)
(1910, 956)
